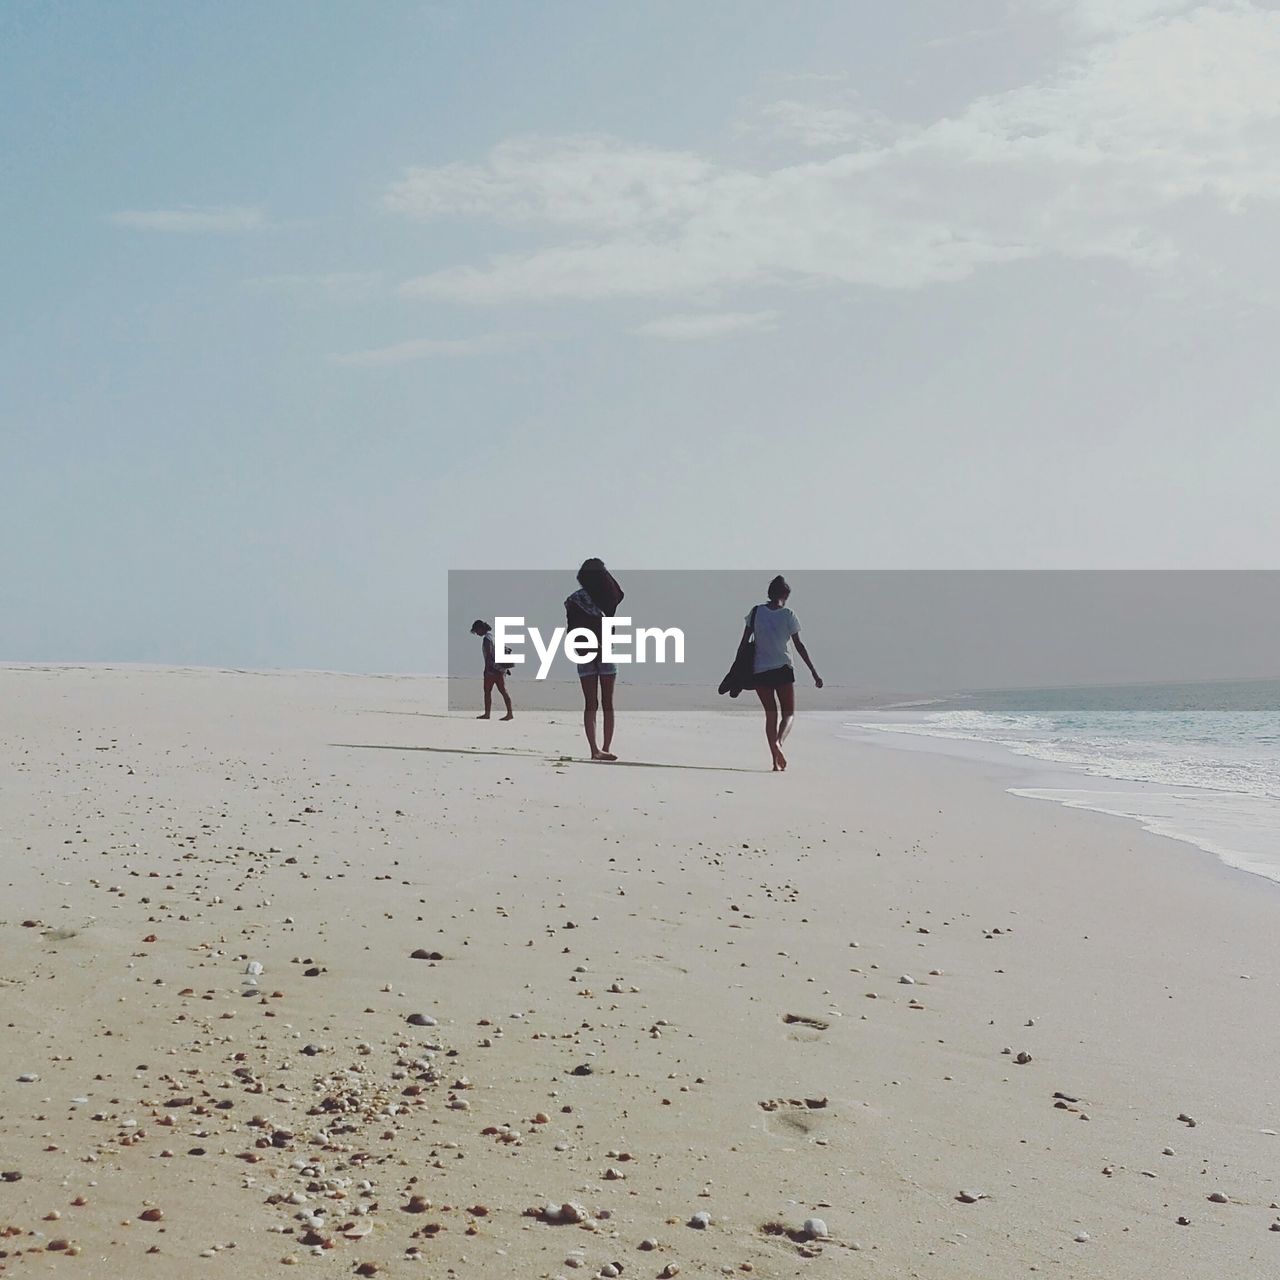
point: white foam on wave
(1210, 781)
(1214, 765)
(1237, 836)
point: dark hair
(600, 585)
(591, 569)
(482, 624)
(779, 588)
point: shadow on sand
(538, 755)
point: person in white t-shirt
(773, 677)
(495, 673)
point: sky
(303, 304)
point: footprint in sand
(796, 1117)
(804, 1020)
(805, 1028)
(789, 1124)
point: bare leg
(787, 699)
(606, 702)
(488, 696)
(501, 682)
(770, 705)
(590, 701)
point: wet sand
(956, 1027)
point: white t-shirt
(774, 628)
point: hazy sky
(304, 303)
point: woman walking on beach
(773, 678)
(597, 597)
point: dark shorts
(774, 678)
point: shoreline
(715, 943)
(1152, 805)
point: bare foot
(779, 761)
(483, 717)
(603, 755)
(509, 716)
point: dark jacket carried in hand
(742, 674)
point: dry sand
(661, 992)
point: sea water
(1198, 762)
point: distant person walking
(774, 627)
(495, 676)
(598, 596)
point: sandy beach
(302, 969)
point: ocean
(1197, 762)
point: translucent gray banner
(884, 636)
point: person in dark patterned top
(597, 597)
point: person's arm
(808, 662)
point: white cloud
(710, 324)
(587, 181)
(1171, 111)
(822, 125)
(193, 218)
(426, 349)
(1106, 17)
(666, 224)
(819, 112)
(1095, 161)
